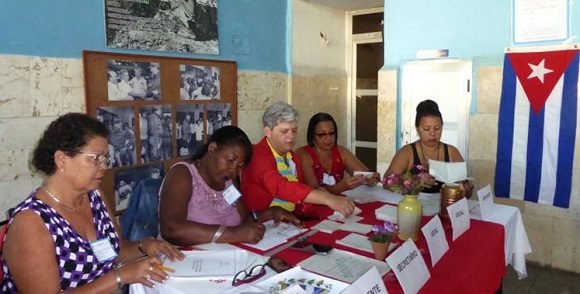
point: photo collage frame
(159, 110)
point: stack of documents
(387, 212)
(224, 263)
(276, 235)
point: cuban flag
(537, 127)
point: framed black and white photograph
(135, 182)
(199, 82)
(158, 127)
(157, 121)
(218, 115)
(163, 25)
(130, 80)
(189, 129)
(121, 124)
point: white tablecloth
(517, 245)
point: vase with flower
(409, 211)
(382, 235)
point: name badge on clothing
(103, 250)
(231, 194)
(328, 179)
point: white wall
(309, 51)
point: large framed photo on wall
(158, 110)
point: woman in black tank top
(429, 126)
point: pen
(164, 268)
(254, 216)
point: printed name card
(459, 215)
(369, 283)
(409, 267)
(485, 196)
(435, 236)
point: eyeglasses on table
(248, 276)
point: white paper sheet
(435, 237)
(209, 263)
(339, 217)
(460, 217)
(360, 242)
(327, 226)
(371, 283)
(485, 196)
(276, 235)
(356, 227)
(366, 194)
(409, 267)
(448, 172)
(387, 212)
(342, 265)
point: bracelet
(218, 233)
(140, 247)
(118, 278)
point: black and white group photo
(155, 132)
(130, 80)
(136, 181)
(163, 25)
(189, 129)
(218, 115)
(120, 122)
(199, 82)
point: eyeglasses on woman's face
(325, 134)
(98, 159)
(253, 274)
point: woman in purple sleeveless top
(199, 199)
(62, 237)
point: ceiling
(349, 5)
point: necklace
(71, 208)
(425, 157)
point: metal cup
(450, 193)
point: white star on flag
(538, 71)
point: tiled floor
(541, 280)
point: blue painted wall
(469, 29)
(64, 28)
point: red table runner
(475, 262)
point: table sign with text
(485, 196)
(435, 237)
(460, 219)
(370, 283)
(409, 267)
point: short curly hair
(68, 133)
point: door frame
(352, 41)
